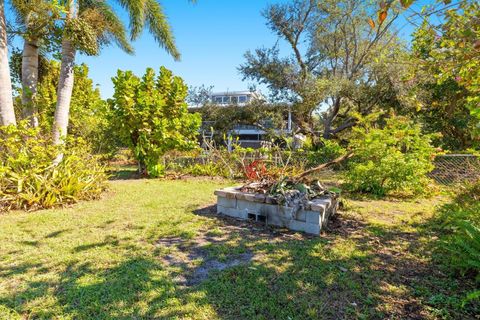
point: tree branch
(322, 166)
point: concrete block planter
(258, 207)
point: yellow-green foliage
(460, 246)
(30, 180)
(150, 116)
(388, 159)
(462, 243)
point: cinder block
(301, 215)
(314, 217)
(274, 217)
(231, 195)
(227, 203)
(220, 193)
(221, 209)
(286, 212)
(240, 196)
(232, 212)
(249, 197)
(253, 207)
(318, 205)
(312, 228)
(259, 198)
(296, 225)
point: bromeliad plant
(28, 178)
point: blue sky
(212, 36)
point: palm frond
(108, 25)
(136, 11)
(160, 29)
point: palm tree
(91, 23)
(36, 23)
(7, 114)
(30, 80)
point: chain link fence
(449, 169)
(456, 168)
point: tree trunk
(64, 92)
(7, 113)
(327, 127)
(30, 81)
(330, 116)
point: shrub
(326, 151)
(395, 158)
(30, 180)
(151, 117)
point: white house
(248, 135)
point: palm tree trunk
(65, 86)
(7, 113)
(30, 81)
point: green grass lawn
(154, 249)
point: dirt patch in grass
(193, 259)
(204, 254)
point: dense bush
(325, 151)
(151, 117)
(394, 158)
(460, 246)
(30, 180)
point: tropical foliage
(30, 180)
(150, 115)
(458, 50)
(448, 99)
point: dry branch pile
(297, 190)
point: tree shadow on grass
(354, 271)
(85, 292)
(357, 270)
(125, 172)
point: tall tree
(443, 105)
(36, 23)
(7, 114)
(65, 83)
(84, 32)
(456, 50)
(337, 61)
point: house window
(234, 99)
(218, 100)
(242, 99)
(226, 99)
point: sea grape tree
(151, 116)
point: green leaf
(406, 3)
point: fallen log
(322, 166)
